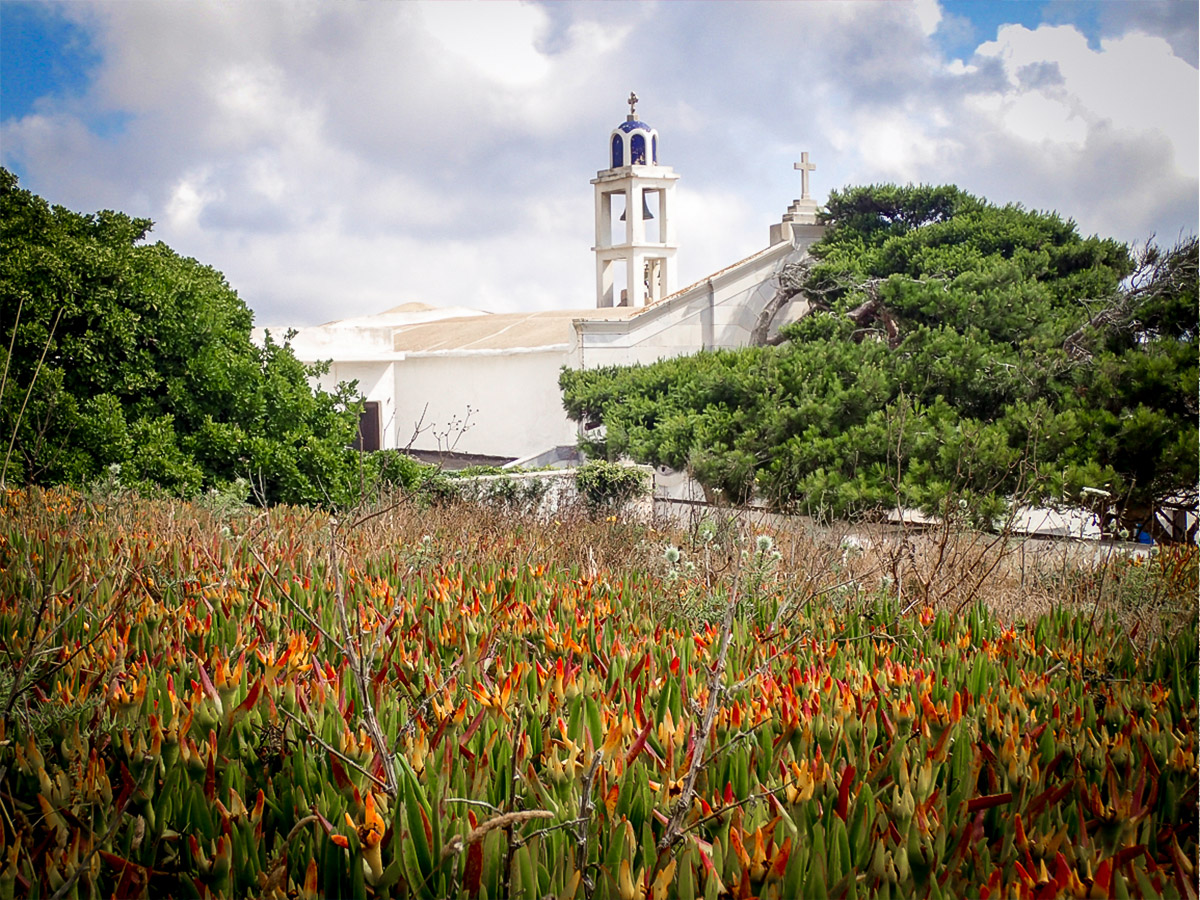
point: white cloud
(898, 147)
(187, 202)
(338, 159)
(1134, 82)
(929, 15)
(1033, 116)
(500, 41)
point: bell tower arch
(639, 247)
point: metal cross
(805, 167)
(633, 99)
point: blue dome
(633, 142)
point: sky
(336, 159)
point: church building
(466, 386)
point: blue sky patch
(42, 54)
(46, 57)
(968, 23)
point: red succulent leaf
(1103, 879)
(210, 777)
(340, 778)
(473, 873)
(637, 669)
(1062, 871)
(779, 863)
(1049, 796)
(1128, 854)
(848, 774)
(251, 698)
(207, 682)
(437, 734)
(471, 729)
(639, 742)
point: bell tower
(638, 248)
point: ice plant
(548, 725)
(370, 834)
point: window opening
(637, 150)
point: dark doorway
(368, 427)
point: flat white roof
(501, 331)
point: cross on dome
(632, 101)
(805, 167)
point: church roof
(543, 330)
(404, 314)
(499, 332)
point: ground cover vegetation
(955, 351)
(433, 699)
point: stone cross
(632, 101)
(805, 167)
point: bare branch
(674, 830)
(28, 393)
(316, 739)
(585, 811)
(351, 648)
(1157, 273)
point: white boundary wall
(561, 493)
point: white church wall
(718, 312)
(333, 341)
(512, 397)
(739, 300)
(376, 380)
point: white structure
(464, 382)
(647, 250)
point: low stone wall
(547, 493)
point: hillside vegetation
(955, 351)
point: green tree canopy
(953, 348)
(121, 352)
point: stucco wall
(718, 312)
(376, 381)
(515, 404)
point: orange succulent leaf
(309, 890)
(662, 882)
(780, 860)
(610, 799)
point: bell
(646, 214)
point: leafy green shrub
(516, 495)
(120, 351)
(948, 354)
(395, 470)
(607, 485)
